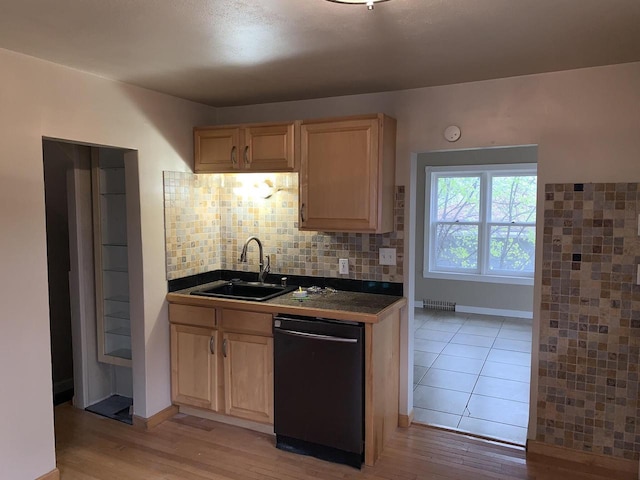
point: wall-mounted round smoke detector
(452, 133)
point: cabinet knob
(224, 348)
(302, 213)
(212, 343)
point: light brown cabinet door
(341, 176)
(217, 150)
(248, 376)
(269, 148)
(250, 148)
(194, 366)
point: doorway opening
(87, 223)
(475, 242)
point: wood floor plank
(89, 447)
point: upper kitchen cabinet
(250, 148)
(347, 174)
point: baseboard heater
(438, 305)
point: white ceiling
(234, 52)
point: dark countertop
(340, 305)
(368, 303)
(342, 284)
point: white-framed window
(480, 223)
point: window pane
(512, 249)
(513, 199)
(456, 246)
(458, 199)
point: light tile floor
(472, 373)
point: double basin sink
(254, 291)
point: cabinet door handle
(212, 345)
(302, 213)
(234, 157)
(224, 348)
(247, 160)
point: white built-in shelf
(116, 269)
(124, 353)
(121, 315)
(112, 279)
(122, 331)
(118, 298)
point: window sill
(472, 277)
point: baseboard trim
(585, 458)
(237, 422)
(154, 420)
(405, 421)
(500, 312)
(52, 475)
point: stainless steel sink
(255, 291)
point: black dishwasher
(319, 387)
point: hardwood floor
(189, 448)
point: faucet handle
(267, 267)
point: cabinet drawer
(247, 322)
(191, 315)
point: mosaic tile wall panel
(275, 221)
(590, 319)
(192, 223)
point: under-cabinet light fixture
(368, 3)
(256, 186)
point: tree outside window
(481, 220)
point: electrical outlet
(387, 256)
(343, 266)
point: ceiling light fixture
(368, 3)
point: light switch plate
(387, 256)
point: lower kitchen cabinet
(194, 366)
(248, 376)
(224, 367)
(222, 361)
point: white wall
(586, 123)
(40, 99)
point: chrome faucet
(264, 269)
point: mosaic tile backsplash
(209, 217)
(590, 319)
(192, 223)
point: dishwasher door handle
(315, 336)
